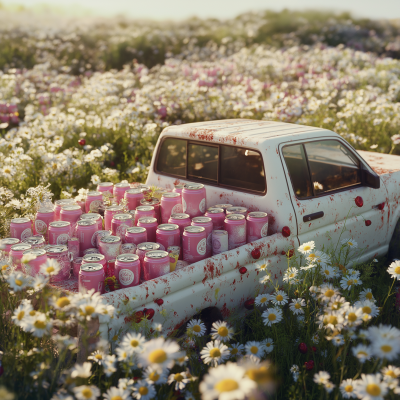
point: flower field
(84, 102)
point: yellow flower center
(329, 293)
(197, 328)
(98, 357)
(49, 270)
(390, 373)
(87, 393)
(153, 376)
(368, 296)
(223, 331)
(62, 302)
(4, 267)
(259, 375)
(350, 243)
(352, 317)
(134, 343)
(18, 282)
(297, 306)
(263, 266)
(39, 324)
(362, 353)
(226, 385)
(348, 388)
(158, 356)
(312, 255)
(306, 248)
(143, 390)
(397, 270)
(254, 349)
(263, 300)
(234, 351)
(279, 297)
(20, 315)
(366, 310)
(32, 313)
(268, 344)
(272, 317)
(386, 348)
(178, 377)
(332, 320)
(373, 389)
(350, 282)
(114, 338)
(89, 310)
(215, 352)
(116, 398)
(326, 272)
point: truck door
(324, 178)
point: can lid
(193, 186)
(148, 246)
(71, 207)
(122, 217)
(215, 210)
(60, 224)
(56, 249)
(133, 191)
(151, 202)
(194, 229)
(34, 240)
(21, 246)
(168, 227)
(22, 220)
(179, 186)
(219, 232)
(224, 206)
(77, 260)
(36, 252)
(110, 239)
(232, 209)
(201, 220)
(86, 222)
(144, 208)
(235, 217)
(9, 241)
(257, 214)
(45, 210)
(93, 257)
(142, 186)
(127, 246)
(127, 257)
(94, 216)
(171, 195)
(156, 254)
(137, 229)
(104, 184)
(174, 248)
(65, 201)
(122, 185)
(180, 216)
(73, 239)
(91, 267)
(147, 220)
(114, 208)
(93, 193)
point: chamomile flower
(236, 349)
(82, 370)
(254, 349)
(109, 365)
(318, 257)
(338, 340)
(122, 354)
(214, 353)
(86, 392)
(338, 302)
(347, 282)
(362, 352)
(315, 338)
(18, 281)
(347, 389)
(265, 279)
(370, 387)
(157, 327)
(259, 372)
(155, 375)
(329, 386)
(350, 243)
(261, 300)
(143, 390)
(5, 266)
(39, 325)
(354, 316)
(262, 265)
(116, 393)
(383, 331)
(39, 282)
(133, 343)
(306, 248)
(221, 331)
(390, 372)
(268, 345)
(366, 294)
(385, 348)
(159, 352)
(196, 327)
(278, 298)
(290, 275)
(321, 377)
(89, 309)
(329, 272)
(296, 306)
(332, 320)
(272, 316)
(394, 269)
(50, 267)
(179, 380)
(181, 358)
(326, 292)
(368, 308)
(308, 266)
(97, 356)
(21, 314)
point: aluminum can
(194, 199)
(146, 193)
(32, 268)
(218, 217)
(93, 201)
(128, 248)
(257, 225)
(155, 264)
(133, 197)
(37, 242)
(237, 210)
(95, 217)
(85, 229)
(178, 188)
(110, 268)
(181, 264)
(104, 187)
(223, 206)
(136, 235)
(207, 223)
(127, 270)
(150, 223)
(141, 250)
(109, 213)
(181, 219)
(59, 232)
(219, 241)
(71, 214)
(60, 254)
(91, 250)
(16, 252)
(174, 253)
(235, 225)
(42, 220)
(110, 246)
(194, 244)
(7, 243)
(21, 228)
(171, 203)
(120, 223)
(91, 276)
(97, 236)
(58, 204)
(81, 204)
(153, 202)
(168, 235)
(119, 191)
(76, 266)
(94, 258)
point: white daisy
(133, 343)
(394, 269)
(50, 267)
(155, 375)
(97, 356)
(116, 393)
(89, 309)
(350, 243)
(329, 386)
(18, 281)
(214, 353)
(236, 349)
(321, 377)
(347, 282)
(329, 272)
(39, 282)
(109, 365)
(181, 358)
(196, 327)
(63, 303)
(354, 316)
(279, 297)
(315, 338)
(368, 308)
(262, 265)
(318, 257)
(385, 348)
(268, 344)
(21, 314)
(332, 320)
(326, 292)
(221, 331)
(290, 275)
(179, 380)
(86, 392)
(366, 294)
(82, 370)
(143, 390)
(338, 340)
(259, 372)
(5, 266)
(272, 316)
(254, 349)
(390, 373)
(383, 331)
(122, 355)
(307, 247)
(261, 300)
(338, 302)
(157, 327)
(296, 306)
(265, 279)
(362, 352)
(347, 389)
(38, 324)
(370, 387)
(159, 352)
(308, 266)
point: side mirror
(370, 179)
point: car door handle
(311, 217)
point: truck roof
(241, 132)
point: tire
(394, 245)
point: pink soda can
(37, 242)
(85, 229)
(81, 204)
(218, 217)
(16, 252)
(171, 203)
(109, 213)
(168, 235)
(96, 217)
(144, 211)
(120, 223)
(71, 214)
(42, 220)
(7, 243)
(133, 197)
(178, 188)
(136, 235)
(61, 255)
(257, 225)
(76, 266)
(32, 267)
(93, 201)
(127, 270)
(94, 258)
(97, 236)
(141, 251)
(194, 244)
(150, 223)
(59, 204)
(74, 247)
(219, 241)
(153, 202)
(181, 219)
(128, 248)
(104, 187)
(235, 225)
(207, 223)
(119, 190)
(223, 206)
(155, 264)
(237, 210)
(21, 228)
(110, 268)
(110, 246)
(59, 232)
(91, 276)
(194, 199)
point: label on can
(26, 233)
(94, 205)
(40, 226)
(177, 208)
(126, 276)
(184, 205)
(63, 238)
(121, 230)
(201, 247)
(264, 230)
(202, 206)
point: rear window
(228, 166)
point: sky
(181, 9)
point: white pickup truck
(305, 178)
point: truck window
(172, 157)
(203, 162)
(296, 163)
(332, 166)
